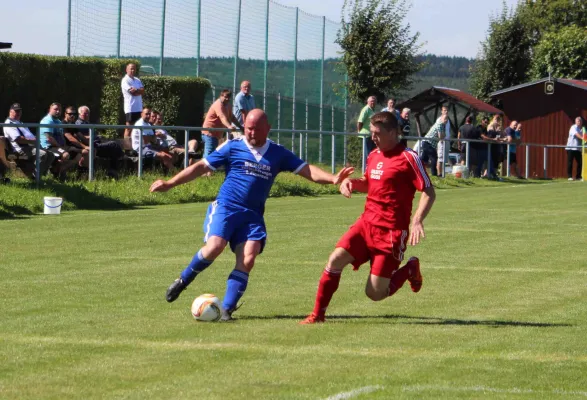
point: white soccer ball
(207, 308)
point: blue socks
(235, 288)
(198, 264)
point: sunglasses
(71, 113)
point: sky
(449, 27)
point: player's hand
(346, 188)
(342, 175)
(159, 186)
(416, 233)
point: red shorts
(383, 247)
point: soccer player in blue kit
(236, 217)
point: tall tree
(505, 55)
(562, 53)
(379, 52)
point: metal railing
(303, 135)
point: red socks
(398, 279)
(326, 288)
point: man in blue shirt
(236, 217)
(53, 141)
(514, 138)
(243, 103)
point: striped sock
(197, 265)
(326, 288)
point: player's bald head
(257, 127)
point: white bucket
(460, 171)
(52, 205)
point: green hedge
(37, 81)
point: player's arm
(358, 185)
(426, 201)
(315, 174)
(189, 174)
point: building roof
(439, 94)
(5, 45)
(571, 82)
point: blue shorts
(234, 224)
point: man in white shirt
(149, 140)
(23, 141)
(168, 143)
(132, 93)
(574, 142)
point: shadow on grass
(12, 211)
(419, 320)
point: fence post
(333, 145)
(321, 91)
(238, 34)
(363, 153)
(468, 157)
(293, 118)
(140, 171)
(186, 155)
(278, 116)
(527, 161)
(68, 28)
(545, 162)
(444, 154)
(38, 159)
(91, 161)
(507, 167)
(306, 144)
(489, 162)
(345, 126)
(199, 37)
(118, 28)
(266, 57)
(162, 38)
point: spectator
(23, 142)
(513, 135)
(72, 145)
(430, 147)
(481, 148)
(494, 134)
(149, 145)
(107, 149)
(53, 141)
(573, 152)
(168, 142)
(404, 125)
(3, 162)
(218, 116)
(132, 93)
(447, 131)
(391, 108)
(363, 123)
(243, 103)
(467, 131)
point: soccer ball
(207, 308)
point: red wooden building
(545, 118)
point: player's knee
(214, 247)
(338, 260)
(375, 295)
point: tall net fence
(289, 56)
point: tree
(379, 53)
(562, 53)
(505, 55)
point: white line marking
(355, 393)
(485, 389)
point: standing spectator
(107, 149)
(149, 145)
(494, 133)
(430, 147)
(364, 120)
(404, 125)
(218, 116)
(53, 140)
(573, 152)
(391, 108)
(168, 142)
(23, 142)
(447, 131)
(132, 93)
(467, 131)
(243, 103)
(513, 136)
(481, 148)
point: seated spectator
(219, 116)
(24, 142)
(149, 145)
(53, 141)
(108, 149)
(168, 142)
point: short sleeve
(362, 115)
(11, 133)
(241, 103)
(419, 176)
(45, 130)
(124, 84)
(290, 162)
(219, 157)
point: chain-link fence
(289, 56)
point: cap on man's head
(16, 107)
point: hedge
(37, 81)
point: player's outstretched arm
(424, 206)
(315, 174)
(357, 185)
(186, 175)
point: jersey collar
(258, 152)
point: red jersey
(393, 178)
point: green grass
(502, 313)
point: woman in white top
(574, 143)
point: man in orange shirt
(219, 116)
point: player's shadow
(421, 320)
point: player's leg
(236, 284)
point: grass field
(502, 313)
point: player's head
(384, 130)
(257, 127)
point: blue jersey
(250, 171)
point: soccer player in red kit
(379, 236)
